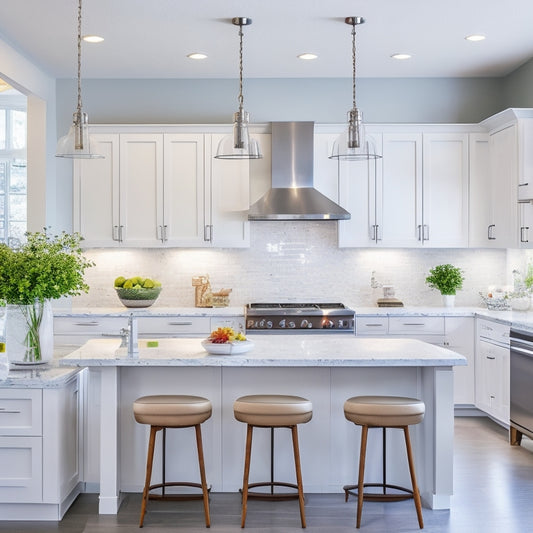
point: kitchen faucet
(130, 337)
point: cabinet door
(525, 159)
(480, 197)
(227, 200)
(460, 339)
(141, 188)
(445, 190)
(96, 194)
(402, 190)
(183, 190)
(503, 166)
(360, 195)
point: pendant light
(76, 143)
(239, 144)
(352, 145)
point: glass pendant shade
(353, 145)
(239, 144)
(76, 144)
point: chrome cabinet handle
(90, 324)
(165, 238)
(522, 229)
(419, 230)
(523, 184)
(490, 232)
(425, 232)
(413, 324)
(180, 323)
(208, 233)
(373, 325)
(9, 411)
(491, 358)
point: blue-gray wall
(323, 100)
(518, 87)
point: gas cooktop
(300, 317)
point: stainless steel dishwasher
(521, 385)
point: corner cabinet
(161, 189)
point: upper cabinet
(161, 189)
(417, 195)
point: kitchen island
(327, 369)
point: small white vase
(23, 345)
(448, 300)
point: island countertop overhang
(272, 351)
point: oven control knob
(269, 324)
(327, 324)
(282, 323)
(305, 324)
(262, 323)
(249, 324)
(292, 324)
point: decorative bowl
(143, 297)
(496, 303)
(227, 348)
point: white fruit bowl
(227, 348)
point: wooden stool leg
(247, 457)
(360, 480)
(202, 474)
(149, 463)
(515, 436)
(416, 493)
(296, 448)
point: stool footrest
(173, 496)
(405, 493)
(279, 496)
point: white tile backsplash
(296, 260)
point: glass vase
(29, 333)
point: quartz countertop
(45, 376)
(272, 351)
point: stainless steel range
(300, 317)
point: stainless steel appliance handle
(523, 351)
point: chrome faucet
(133, 336)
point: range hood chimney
(292, 196)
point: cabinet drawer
(174, 326)
(493, 331)
(21, 478)
(371, 325)
(235, 322)
(21, 412)
(90, 326)
(411, 325)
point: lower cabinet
(493, 369)
(39, 451)
(454, 333)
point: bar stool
(384, 412)
(172, 411)
(272, 411)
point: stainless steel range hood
(292, 196)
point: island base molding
(328, 454)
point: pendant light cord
(79, 57)
(241, 98)
(353, 64)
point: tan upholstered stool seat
(172, 411)
(272, 410)
(384, 411)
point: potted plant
(43, 268)
(447, 279)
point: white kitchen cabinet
(39, 451)
(493, 369)
(454, 333)
(161, 189)
(76, 330)
(525, 159)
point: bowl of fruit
(225, 341)
(137, 291)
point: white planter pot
(27, 344)
(448, 300)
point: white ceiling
(150, 38)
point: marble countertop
(272, 351)
(45, 376)
(150, 311)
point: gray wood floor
(493, 494)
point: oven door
(521, 381)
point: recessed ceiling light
(475, 37)
(401, 56)
(196, 55)
(92, 38)
(307, 56)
